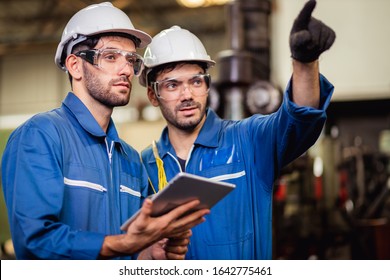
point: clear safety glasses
(170, 89)
(113, 60)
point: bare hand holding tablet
(183, 188)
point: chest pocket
(219, 157)
(229, 223)
(84, 198)
(130, 194)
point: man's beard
(185, 124)
(102, 94)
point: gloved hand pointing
(309, 37)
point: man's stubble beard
(185, 125)
(102, 93)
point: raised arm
(309, 38)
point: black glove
(309, 37)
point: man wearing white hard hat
(69, 181)
(249, 153)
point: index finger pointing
(304, 16)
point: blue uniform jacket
(249, 153)
(68, 184)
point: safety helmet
(173, 45)
(92, 20)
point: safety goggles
(113, 60)
(170, 89)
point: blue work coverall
(68, 184)
(250, 154)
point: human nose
(126, 68)
(185, 91)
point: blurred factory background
(331, 203)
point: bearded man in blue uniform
(249, 153)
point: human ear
(152, 97)
(73, 65)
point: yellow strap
(162, 179)
(150, 181)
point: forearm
(306, 84)
(117, 246)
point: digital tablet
(183, 188)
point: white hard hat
(173, 45)
(96, 19)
